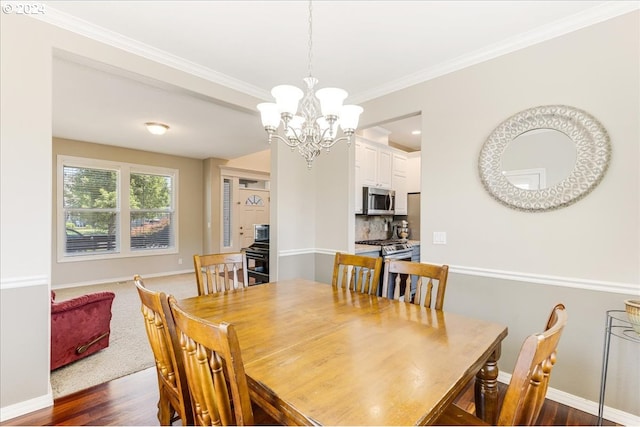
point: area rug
(129, 349)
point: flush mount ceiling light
(156, 128)
(313, 124)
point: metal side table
(617, 325)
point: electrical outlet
(179, 261)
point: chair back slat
(220, 272)
(214, 370)
(172, 382)
(357, 273)
(406, 272)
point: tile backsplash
(373, 227)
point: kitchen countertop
(371, 248)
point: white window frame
(124, 233)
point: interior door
(254, 209)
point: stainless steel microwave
(378, 201)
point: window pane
(151, 230)
(150, 199)
(90, 210)
(90, 188)
(90, 232)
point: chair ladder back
(163, 339)
(220, 272)
(427, 276)
(527, 389)
(214, 370)
(356, 273)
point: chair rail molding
(568, 282)
(24, 282)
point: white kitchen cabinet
(369, 165)
(376, 163)
(381, 166)
(358, 176)
(399, 182)
(385, 168)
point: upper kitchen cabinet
(380, 166)
(399, 182)
(376, 164)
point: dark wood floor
(131, 401)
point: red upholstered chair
(79, 327)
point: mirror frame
(593, 154)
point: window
(227, 201)
(96, 221)
(151, 211)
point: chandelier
(310, 125)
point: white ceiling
(369, 48)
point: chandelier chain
(310, 36)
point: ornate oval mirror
(544, 158)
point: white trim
(244, 173)
(27, 406)
(611, 414)
(118, 279)
(597, 14)
(294, 252)
(592, 16)
(112, 38)
(567, 282)
(24, 282)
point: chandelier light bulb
(349, 117)
(331, 99)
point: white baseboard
(27, 406)
(590, 407)
(119, 279)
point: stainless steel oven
(391, 249)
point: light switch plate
(439, 237)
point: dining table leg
(486, 389)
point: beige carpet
(129, 349)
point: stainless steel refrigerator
(413, 215)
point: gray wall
(513, 266)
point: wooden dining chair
(213, 365)
(527, 389)
(357, 273)
(426, 277)
(172, 382)
(220, 272)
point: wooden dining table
(314, 354)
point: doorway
(246, 202)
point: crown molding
(79, 26)
(586, 18)
(578, 21)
